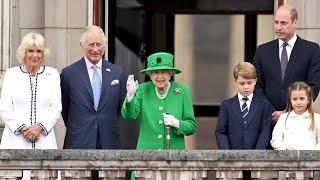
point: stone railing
(195, 164)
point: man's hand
(275, 116)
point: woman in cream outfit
(30, 103)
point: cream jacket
(15, 107)
(295, 131)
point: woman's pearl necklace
(164, 95)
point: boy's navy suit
(251, 132)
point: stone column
(10, 174)
(44, 174)
(229, 175)
(112, 175)
(235, 52)
(64, 21)
(184, 58)
(170, 175)
(194, 175)
(264, 174)
(144, 175)
(299, 175)
(76, 175)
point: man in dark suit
(285, 60)
(93, 90)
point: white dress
(16, 109)
(295, 131)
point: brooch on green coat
(177, 90)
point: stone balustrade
(194, 164)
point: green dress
(149, 109)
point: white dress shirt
(241, 102)
(289, 47)
(90, 68)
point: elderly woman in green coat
(158, 104)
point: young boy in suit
(244, 120)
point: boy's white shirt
(240, 96)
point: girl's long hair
(301, 86)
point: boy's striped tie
(244, 108)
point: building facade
(206, 47)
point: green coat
(149, 109)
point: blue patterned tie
(244, 108)
(96, 86)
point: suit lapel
(236, 110)
(276, 59)
(84, 77)
(252, 110)
(107, 77)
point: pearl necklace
(164, 95)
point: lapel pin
(109, 70)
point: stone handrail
(112, 164)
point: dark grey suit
(84, 124)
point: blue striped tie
(96, 86)
(244, 108)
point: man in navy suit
(285, 60)
(93, 90)
(244, 120)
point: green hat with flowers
(160, 61)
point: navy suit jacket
(82, 121)
(232, 132)
(304, 65)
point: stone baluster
(194, 175)
(10, 174)
(299, 175)
(171, 175)
(112, 175)
(229, 175)
(44, 174)
(76, 175)
(145, 175)
(264, 175)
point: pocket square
(114, 82)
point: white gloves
(170, 120)
(132, 87)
